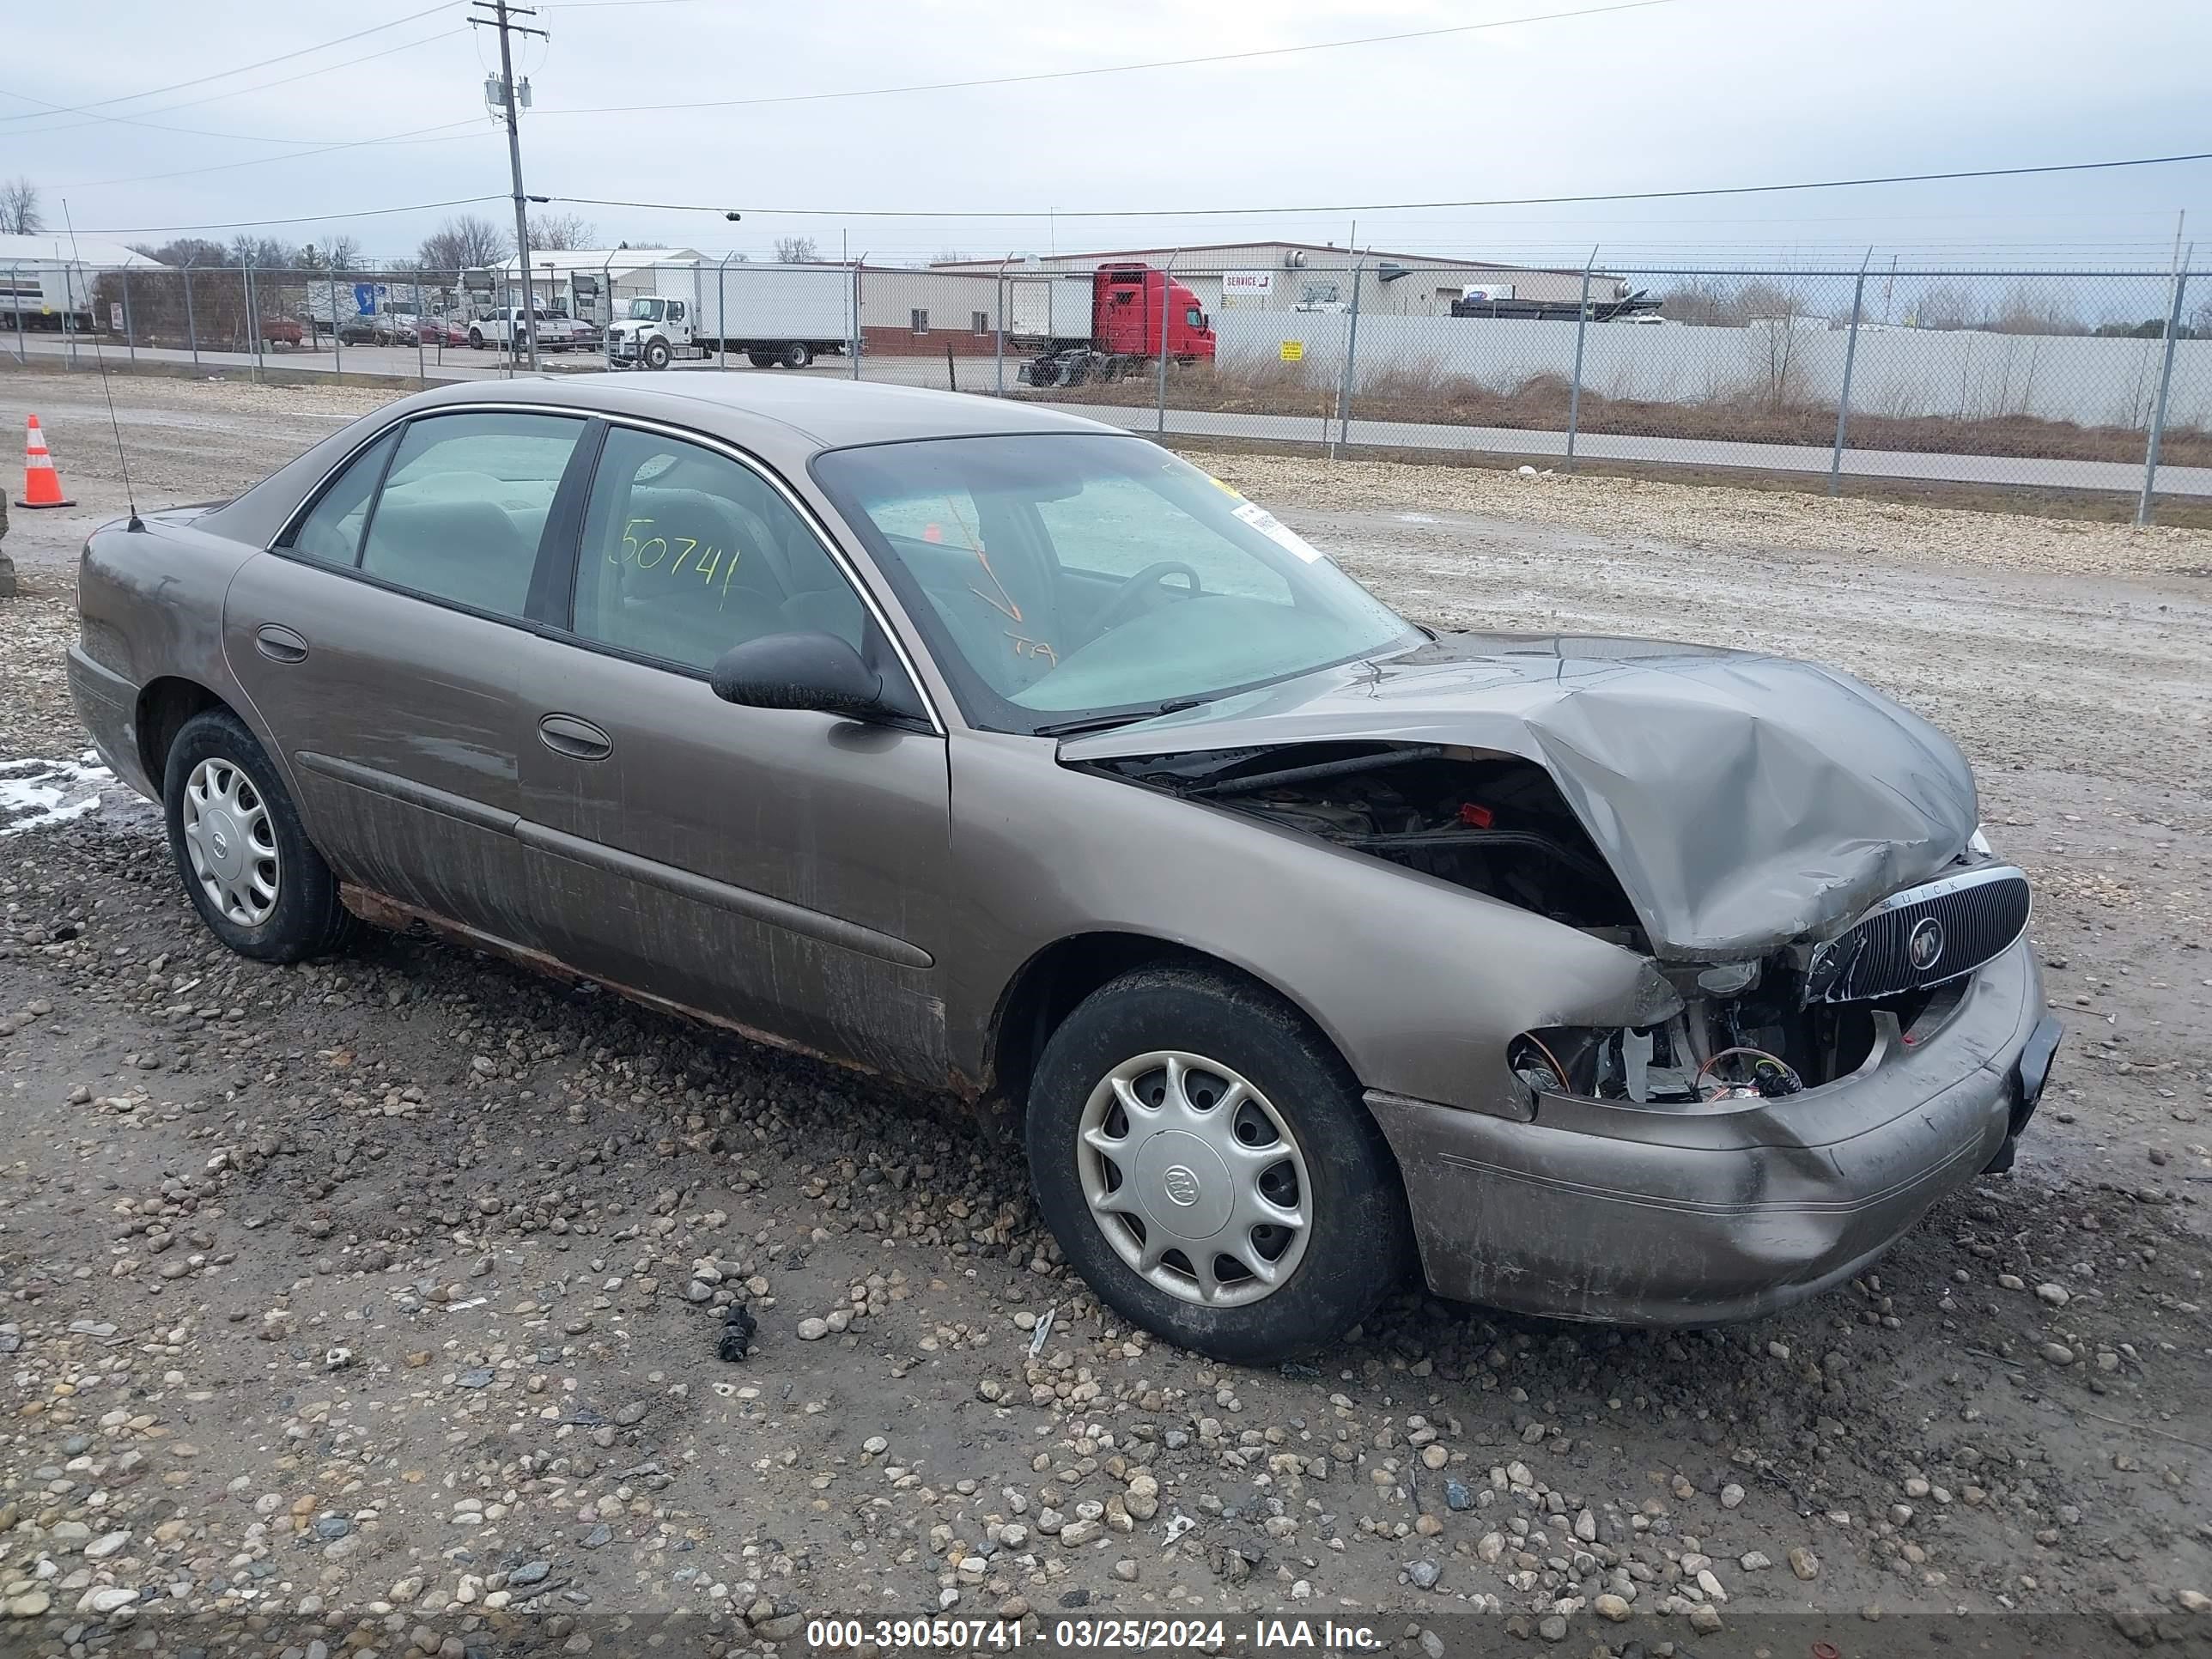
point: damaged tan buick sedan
(1004, 752)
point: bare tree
(796, 251)
(563, 232)
(185, 251)
(2031, 309)
(1700, 300)
(266, 252)
(18, 208)
(1946, 305)
(464, 242)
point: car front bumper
(1600, 1210)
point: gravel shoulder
(383, 1297)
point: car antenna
(135, 523)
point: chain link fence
(2097, 381)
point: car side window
(464, 506)
(330, 533)
(687, 553)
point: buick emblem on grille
(1924, 945)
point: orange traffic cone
(42, 485)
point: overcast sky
(1683, 94)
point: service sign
(1254, 285)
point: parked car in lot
(282, 331)
(441, 330)
(376, 331)
(1001, 751)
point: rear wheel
(797, 355)
(246, 861)
(1204, 1158)
(761, 359)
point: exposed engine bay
(1497, 824)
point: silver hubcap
(1195, 1179)
(231, 842)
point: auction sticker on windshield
(1275, 529)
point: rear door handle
(579, 739)
(279, 643)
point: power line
(224, 75)
(410, 137)
(304, 219)
(212, 98)
(1392, 207)
(1107, 68)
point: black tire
(1360, 1241)
(796, 354)
(658, 354)
(476, 339)
(761, 359)
(307, 918)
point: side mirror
(798, 670)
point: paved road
(981, 374)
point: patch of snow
(37, 794)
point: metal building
(1318, 277)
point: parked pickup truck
(509, 326)
(282, 331)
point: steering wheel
(1130, 595)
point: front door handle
(279, 643)
(579, 739)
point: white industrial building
(1319, 277)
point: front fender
(1419, 984)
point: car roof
(819, 410)
(784, 418)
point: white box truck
(1046, 312)
(776, 315)
(49, 296)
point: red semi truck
(1102, 324)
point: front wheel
(246, 861)
(657, 354)
(1205, 1162)
(476, 339)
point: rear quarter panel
(149, 605)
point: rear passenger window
(465, 505)
(331, 534)
(687, 553)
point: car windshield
(1068, 578)
(645, 311)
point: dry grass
(1422, 391)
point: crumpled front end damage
(1741, 801)
(1856, 1023)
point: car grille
(1921, 937)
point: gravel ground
(377, 1302)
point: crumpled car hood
(1743, 801)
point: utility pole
(502, 15)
